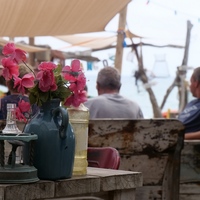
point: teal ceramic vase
(55, 147)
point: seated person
(109, 103)
(190, 116)
(14, 96)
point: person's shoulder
(94, 100)
(7, 98)
(194, 102)
(12, 98)
(131, 101)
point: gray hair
(196, 74)
(109, 78)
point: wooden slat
(81, 185)
(190, 171)
(39, 190)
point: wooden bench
(190, 171)
(150, 146)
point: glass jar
(79, 118)
(12, 129)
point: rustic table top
(97, 180)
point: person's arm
(192, 136)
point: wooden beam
(120, 39)
(143, 44)
(31, 57)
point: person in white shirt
(109, 103)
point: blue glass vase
(55, 147)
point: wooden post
(11, 39)
(120, 39)
(31, 58)
(179, 80)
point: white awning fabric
(30, 18)
(91, 41)
(25, 47)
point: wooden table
(105, 183)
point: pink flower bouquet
(52, 81)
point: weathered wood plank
(1, 194)
(190, 188)
(190, 191)
(42, 189)
(190, 162)
(190, 171)
(149, 192)
(84, 185)
(123, 195)
(139, 163)
(189, 197)
(135, 136)
(117, 179)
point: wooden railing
(150, 146)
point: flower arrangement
(52, 81)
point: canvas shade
(25, 47)
(93, 42)
(88, 41)
(71, 55)
(21, 18)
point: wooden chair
(150, 146)
(103, 157)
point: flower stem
(29, 68)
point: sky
(159, 22)
(162, 18)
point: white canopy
(56, 17)
(25, 47)
(94, 41)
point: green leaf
(62, 92)
(32, 98)
(44, 96)
(58, 70)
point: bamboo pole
(120, 39)
(31, 58)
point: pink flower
(47, 66)
(19, 115)
(51, 81)
(76, 99)
(76, 66)
(10, 68)
(15, 54)
(66, 73)
(70, 73)
(23, 107)
(46, 77)
(27, 81)
(46, 81)
(79, 84)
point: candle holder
(12, 170)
